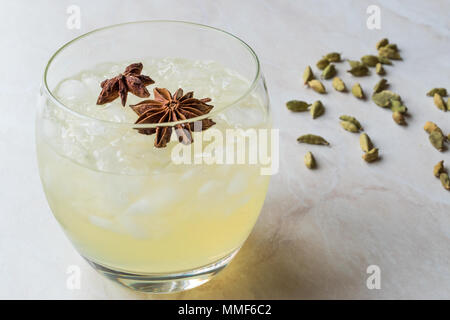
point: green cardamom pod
(310, 161)
(338, 84)
(380, 86)
(445, 180)
(397, 106)
(307, 75)
(297, 105)
(359, 71)
(352, 120)
(347, 125)
(402, 109)
(441, 91)
(312, 139)
(382, 43)
(354, 63)
(431, 126)
(371, 155)
(384, 60)
(322, 63)
(383, 98)
(329, 71)
(439, 102)
(317, 109)
(392, 46)
(333, 57)
(370, 60)
(317, 86)
(357, 91)
(437, 139)
(399, 118)
(379, 69)
(365, 142)
(389, 53)
(439, 168)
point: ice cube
(131, 227)
(104, 223)
(153, 202)
(208, 187)
(92, 83)
(140, 207)
(111, 112)
(145, 218)
(70, 90)
(50, 128)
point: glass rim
(60, 104)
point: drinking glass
(137, 214)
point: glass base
(164, 283)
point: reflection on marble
(319, 230)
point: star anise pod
(130, 80)
(169, 108)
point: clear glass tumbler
(137, 214)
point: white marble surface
(319, 230)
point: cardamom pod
(382, 43)
(389, 53)
(437, 139)
(379, 69)
(439, 102)
(310, 161)
(445, 180)
(397, 106)
(338, 84)
(307, 75)
(357, 91)
(359, 71)
(431, 126)
(384, 60)
(349, 126)
(317, 86)
(354, 63)
(399, 118)
(380, 86)
(322, 63)
(333, 57)
(352, 120)
(365, 142)
(297, 105)
(371, 155)
(329, 71)
(312, 139)
(317, 109)
(370, 60)
(383, 98)
(439, 168)
(392, 46)
(441, 91)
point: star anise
(169, 108)
(130, 80)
